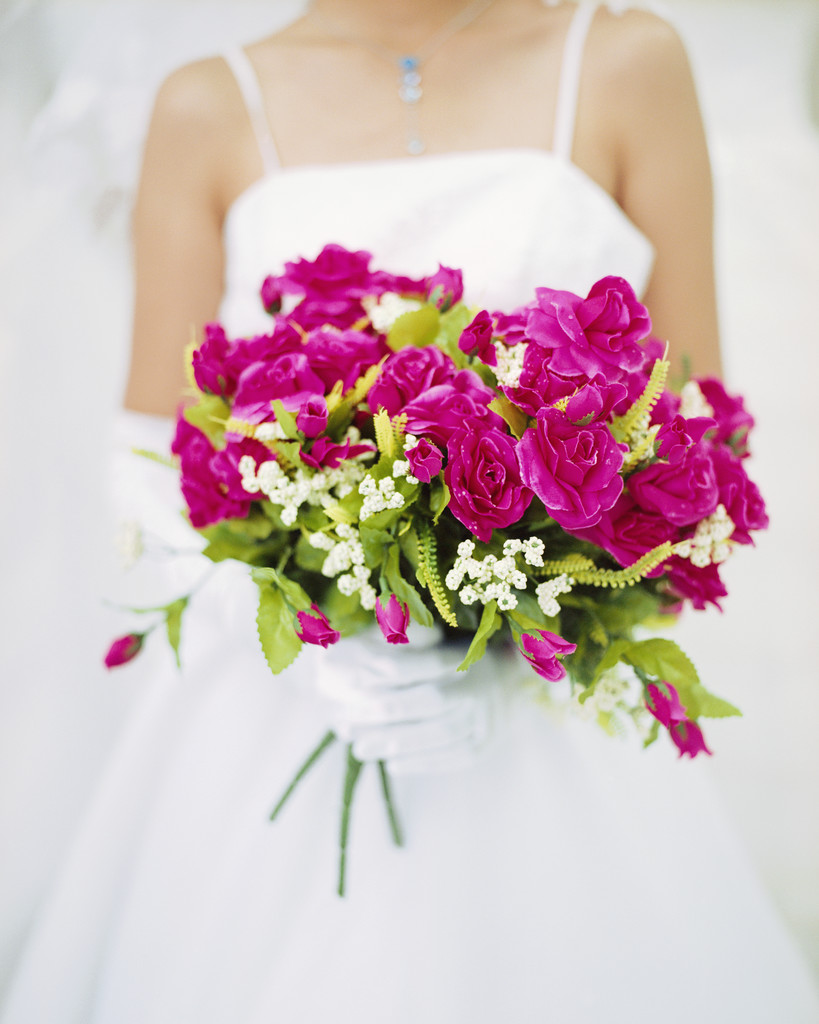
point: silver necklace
(410, 65)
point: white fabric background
(77, 80)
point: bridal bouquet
(386, 453)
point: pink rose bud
(689, 739)
(446, 287)
(311, 418)
(543, 651)
(315, 628)
(426, 460)
(271, 294)
(476, 339)
(664, 703)
(393, 620)
(124, 649)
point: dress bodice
(512, 220)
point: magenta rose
(636, 380)
(393, 619)
(538, 385)
(663, 702)
(407, 374)
(627, 532)
(271, 294)
(383, 281)
(211, 363)
(124, 649)
(335, 273)
(683, 493)
(284, 338)
(573, 470)
(688, 739)
(598, 334)
(315, 628)
(224, 465)
(740, 496)
(733, 422)
(447, 407)
(325, 453)
(425, 459)
(342, 355)
(288, 377)
(675, 437)
(542, 652)
(445, 287)
(311, 418)
(476, 339)
(202, 486)
(594, 401)
(511, 327)
(699, 585)
(486, 491)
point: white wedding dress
(564, 877)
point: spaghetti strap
(569, 84)
(248, 81)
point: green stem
(395, 827)
(326, 741)
(350, 780)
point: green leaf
(624, 609)
(171, 461)
(405, 591)
(438, 498)
(664, 659)
(419, 328)
(653, 733)
(409, 547)
(347, 616)
(293, 593)
(274, 623)
(285, 419)
(490, 623)
(452, 325)
(613, 654)
(173, 624)
(308, 557)
(209, 415)
(255, 525)
(527, 624)
(698, 702)
(251, 541)
(374, 542)
(289, 451)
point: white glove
(406, 704)
(147, 511)
(145, 492)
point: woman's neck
(401, 25)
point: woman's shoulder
(200, 95)
(634, 48)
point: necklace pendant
(409, 82)
(415, 146)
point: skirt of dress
(563, 876)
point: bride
(556, 875)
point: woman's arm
(648, 107)
(177, 231)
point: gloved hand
(143, 491)
(147, 514)
(406, 704)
